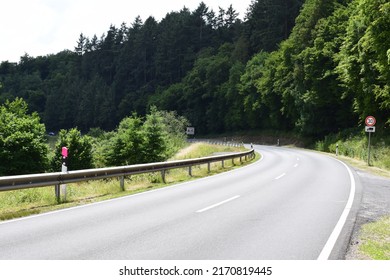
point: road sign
(370, 121)
(190, 130)
(370, 128)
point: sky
(42, 27)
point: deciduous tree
(23, 146)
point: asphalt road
(285, 206)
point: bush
(23, 146)
(356, 146)
(125, 147)
(80, 150)
(155, 136)
(154, 139)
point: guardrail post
(122, 182)
(223, 164)
(208, 167)
(57, 191)
(190, 171)
(63, 189)
(163, 176)
(233, 161)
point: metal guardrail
(8, 183)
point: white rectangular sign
(370, 128)
(190, 130)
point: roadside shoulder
(374, 206)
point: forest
(313, 67)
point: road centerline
(217, 204)
(280, 176)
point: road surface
(285, 206)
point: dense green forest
(314, 67)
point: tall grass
(355, 145)
(198, 150)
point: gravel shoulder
(374, 205)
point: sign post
(370, 128)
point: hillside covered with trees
(314, 67)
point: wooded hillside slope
(315, 67)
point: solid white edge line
(327, 250)
(218, 204)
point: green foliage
(79, 150)
(270, 21)
(101, 148)
(254, 102)
(208, 95)
(22, 140)
(330, 72)
(354, 144)
(154, 139)
(364, 58)
(154, 147)
(126, 146)
(175, 127)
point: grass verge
(20, 203)
(362, 165)
(355, 146)
(375, 240)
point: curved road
(285, 206)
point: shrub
(80, 150)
